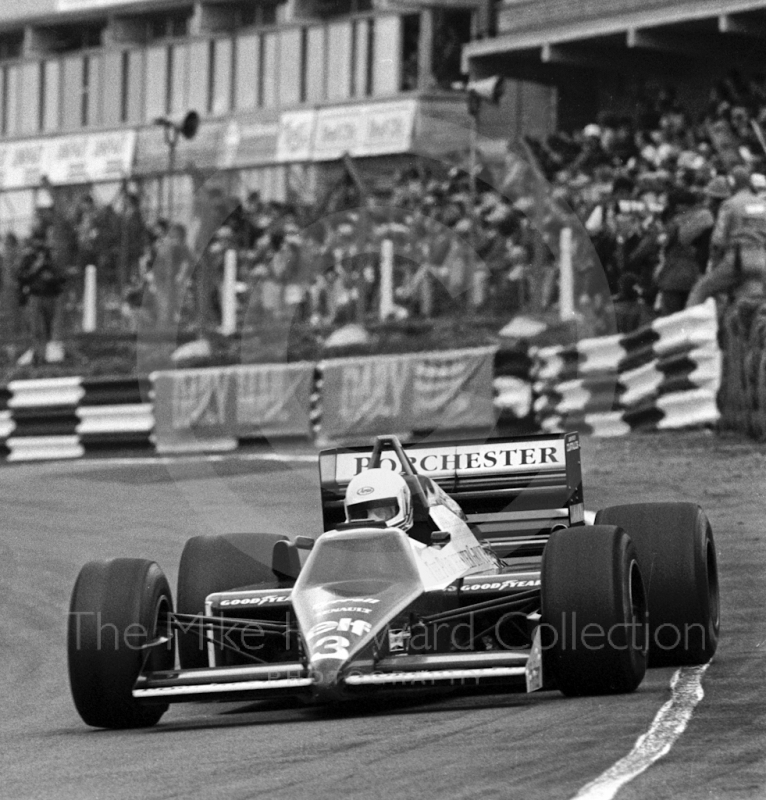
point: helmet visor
(379, 510)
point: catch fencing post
(229, 293)
(89, 300)
(566, 276)
(386, 279)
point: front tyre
(677, 554)
(217, 563)
(117, 608)
(593, 609)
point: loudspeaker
(190, 125)
(186, 127)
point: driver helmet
(379, 495)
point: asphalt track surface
(57, 516)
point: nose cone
(327, 683)
(332, 641)
(352, 585)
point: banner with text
(212, 409)
(371, 129)
(421, 391)
(66, 160)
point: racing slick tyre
(593, 606)
(117, 608)
(677, 555)
(216, 563)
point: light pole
(490, 90)
(186, 128)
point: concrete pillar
(124, 30)
(212, 19)
(39, 42)
(426, 80)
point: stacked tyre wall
(743, 386)
(665, 375)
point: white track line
(668, 725)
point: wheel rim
(712, 587)
(638, 615)
(161, 628)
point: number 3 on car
(332, 647)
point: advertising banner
(152, 152)
(194, 410)
(273, 399)
(373, 129)
(445, 390)
(296, 136)
(211, 409)
(249, 141)
(66, 160)
(338, 131)
(388, 128)
(91, 157)
(22, 164)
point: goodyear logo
(498, 585)
(263, 600)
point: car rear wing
(511, 489)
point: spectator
(684, 255)
(10, 260)
(133, 239)
(169, 276)
(39, 283)
(738, 245)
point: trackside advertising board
(444, 390)
(205, 409)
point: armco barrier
(665, 375)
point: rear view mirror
(304, 542)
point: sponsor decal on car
(355, 600)
(398, 641)
(326, 642)
(260, 600)
(358, 627)
(497, 585)
(345, 610)
(464, 460)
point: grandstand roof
(593, 33)
(22, 11)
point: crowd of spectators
(646, 188)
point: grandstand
(283, 87)
(601, 54)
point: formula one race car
(441, 565)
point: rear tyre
(676, 551)
(117, 607)
(216, 564)
(593, 607)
